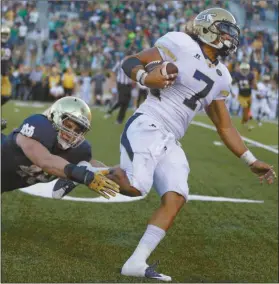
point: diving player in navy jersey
(45, 147)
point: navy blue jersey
(17, 170)
(244, 83)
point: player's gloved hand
(263, 171)
(155, 80)
(102, 185)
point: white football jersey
(197, 84)
(263, 89)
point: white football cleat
(133, 268)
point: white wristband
(139, 74)
(91, 168)
(94, 169)
(248, 158)
(142, 78)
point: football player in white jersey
(260, 101)
(273, 100)
(150, 151)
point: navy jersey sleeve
(236, 76)
(85, 151)
(39, 128)
(81, 153)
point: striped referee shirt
(121, 77)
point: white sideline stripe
(29, 104)
(274, 146)
(253, 142)
(222, 199)
(45, 190)
(271, 121)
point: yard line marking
(271, 121)
(29, 104)
(45, 190)
(222, 199)
(253, 142)
(274, 146)
(219, 143)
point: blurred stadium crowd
(65, 47)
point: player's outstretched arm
(218, 113)
(133, 67)
(41, 157)
(57, 166)
(115, 174)
(64, 186)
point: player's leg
(125, 100)
(245, 103)
(116, 104)
(173, 189)
(266, 110)
(245, 114)
(113, 108)
(259, 113)
(137, 141)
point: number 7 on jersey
(192, 102)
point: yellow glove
(103, 185)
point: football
(167, 67)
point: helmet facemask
(228, 45)
(245, 71)
(71, 131)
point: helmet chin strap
(63, 143)
(220, 45)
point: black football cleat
(62, 187)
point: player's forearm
(232, 140)
(53, 165)
(131, 66)
(97, 164)
(59, 167)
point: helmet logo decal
(207, 17)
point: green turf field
(45, 240)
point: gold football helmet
(72, 118)
(212, 24)
(244, 68)
(5, 34)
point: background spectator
(92, 36)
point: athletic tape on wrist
(139, 74)
(142, 78)
(94, 170)
(248, 158)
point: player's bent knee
(173, 200)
